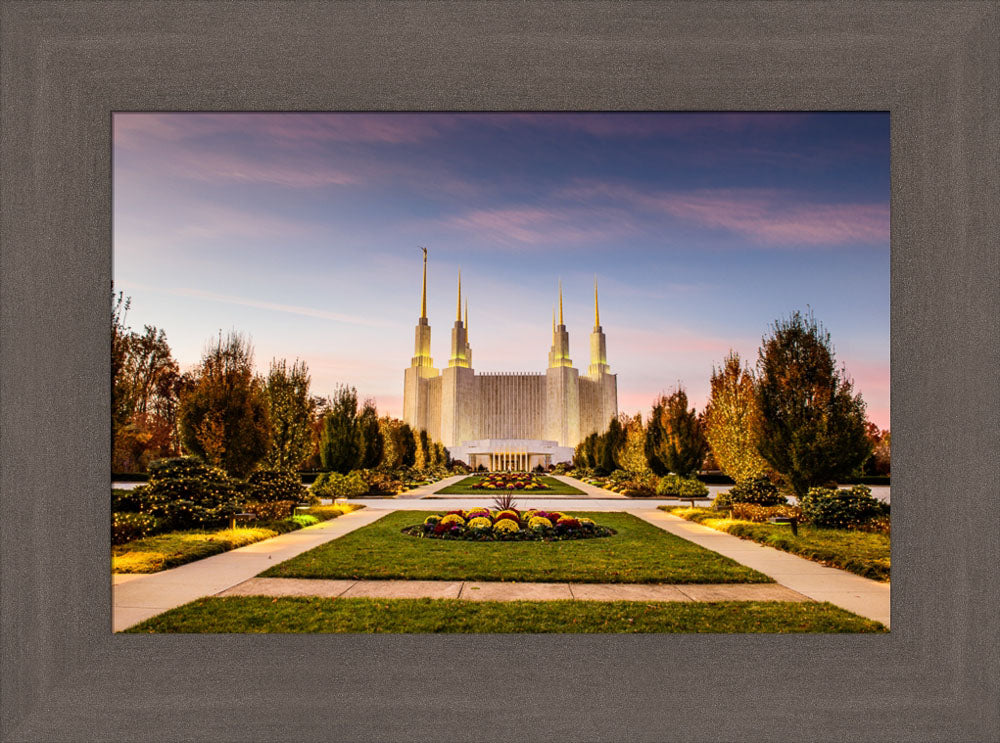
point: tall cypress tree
(372, 440)
(340, 444)
(655, 436)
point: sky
(703, 229)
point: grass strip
(168, 550)
(466, 487)
(259, 614)
(864, 553)
(638, 553)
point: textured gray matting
(66, 65)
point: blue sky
(301, 230)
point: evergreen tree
(340, 444)
(812, 423)
(372, 439)
(614, 442)
(407, 444)
(655, 437)
(224, 417)
(290, 408)
(681, 445)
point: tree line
(795, 417)
(227, 415)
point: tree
(655, 437)
(614, 441)
(290, 409)
(881, 441)
(372, 439)
(732, 421)
(340, 447)
(633, 453)
(681, 444)
(145, 390)
(406, 441)
(224, 417)
(812, 423)
(423, 455)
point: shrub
(479, 522)
(185, 493)
(128, 501)
(126, 527)
(845, 509)
(270, 510)
(691, 488)
(539, 522)
(304, 519)
(271, 485)
(506, 525)
(760, 514)
(758, 490)
(380, 483)
(336, 485)
(669, 485)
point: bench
(241, 517)
(790, 520)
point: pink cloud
(765, 215)
(137, 129)
(634, 125)
(543, 226)
(217, 166)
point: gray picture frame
(65, 66)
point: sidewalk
(512, 591)
(862, 596)
(135, 597)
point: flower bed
(510, 525)
(511, 481)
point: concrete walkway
(862, 596)
(511, 591)
(136, 597)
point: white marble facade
(490, 417)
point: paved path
(862, 596)
(137, 597)
(512, 591)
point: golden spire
(553, 323)
(560, 304)
(458, 316)
(466, 319)
(597, 312)
(423, 291)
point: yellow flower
(508, 525)
(479, 523)
(453, 518)
(538, 522)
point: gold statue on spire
(423, 291)
(597, 312)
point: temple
(508, 421)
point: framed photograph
(320, 531)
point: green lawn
(860, 552)
(638, 553)
(162, 551)
(254, 614)
(465, 487)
